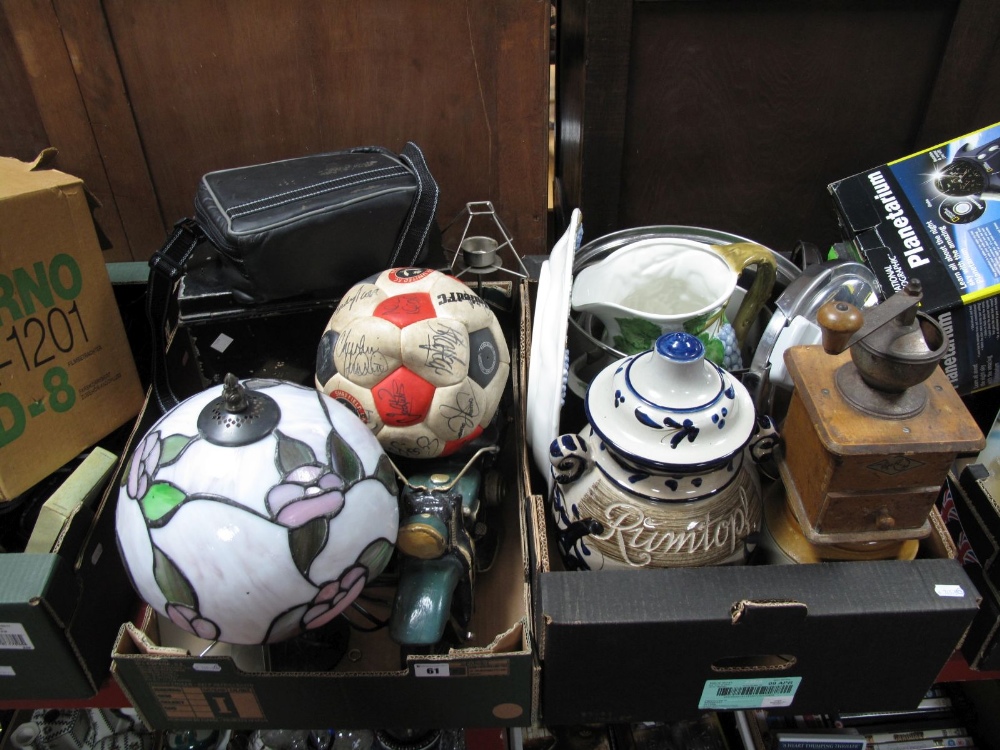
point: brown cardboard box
(491, 681)
(67, 376)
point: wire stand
(480, 254)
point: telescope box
(935, 216)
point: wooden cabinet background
(736, 114)
(142, 97)
(728, 114)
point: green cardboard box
(61, 606)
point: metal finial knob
(238, 416)
(234, 394)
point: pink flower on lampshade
(144, 464)
(190, 619)
(334, 597)
(307, 492)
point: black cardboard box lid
(980, 645)
(643, 645)
(978, 513)
(206, 293)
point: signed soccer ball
(419, 357)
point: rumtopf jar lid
(670, 408)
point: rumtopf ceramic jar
(664, 474)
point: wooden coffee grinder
(870, 434)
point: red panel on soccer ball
(404, 309)
(453, 445)
(403, 398)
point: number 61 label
(433, 669)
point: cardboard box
(971, 502)
(491, 682)
(977, 500)
(60, 609)
(67, 377)
(655, 645)
(57, 518)
(934, 216)
(981, 645)
(224, 334)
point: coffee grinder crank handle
(844, 325)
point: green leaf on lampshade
(344, 459)
(160, 499)
(172, 447)
(292, 453)
(385, 474)
(376, 557)
(171, 581)
(306, 541)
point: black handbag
(306, 227)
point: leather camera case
(317, 224)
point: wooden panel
(765, 104)
(215, 85)
(22, 134)
(103, 92)
(738, 114)
(965, 95)
(593, 71)
(522, 102)
(61, 109)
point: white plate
(547, 364)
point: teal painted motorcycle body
(423, 601)
(435, 588)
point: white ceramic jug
(659, 285)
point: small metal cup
(479, 252)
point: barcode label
(13, 637)
(754, 690)
(954, 590)
(758, 692)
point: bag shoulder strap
(421, 217)
(166, 267)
